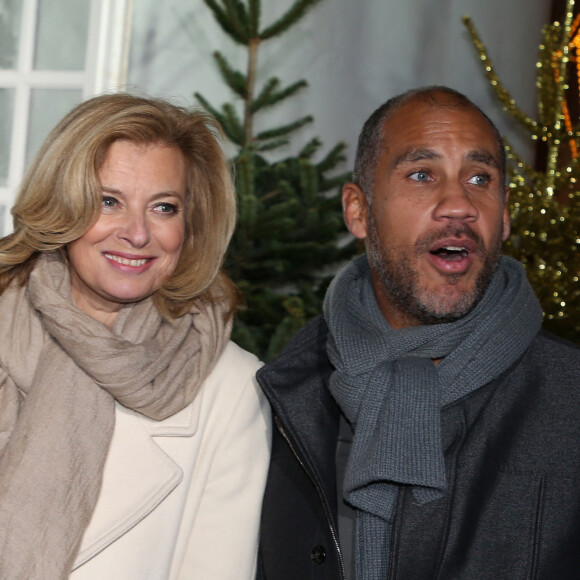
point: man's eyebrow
(483, 157)
(414, 155)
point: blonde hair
(60, 197)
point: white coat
(181, 498)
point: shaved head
(372, 139)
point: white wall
(354, 53)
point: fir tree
(289, 218)
(545, 202)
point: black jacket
(512, 451)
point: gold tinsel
(545, 205)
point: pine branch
(335, 157)
(308, 181)
(282, 226)
(284, 190)
(245, 179)
(254, 11)
(232, 125)
(206, 105)
(284, 329)
(271, 145)
(296, 13)
(284, 130)
(281, 211)
(243, 334)
(265, 94)
(225, 23)
(275, 98)
(310, 148)
(335, 182)
(233, 78)
(236, 12)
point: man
(458, 453)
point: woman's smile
(119, 260)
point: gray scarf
(391, 392)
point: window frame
(105, 70)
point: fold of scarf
(60, 374)
(391, 392)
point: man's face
(438, 214)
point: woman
(133, 441)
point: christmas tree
(286, 245)
(545, 198)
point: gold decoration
(545, 204)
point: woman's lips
(126, 263)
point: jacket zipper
(321, 496)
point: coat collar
(137, 477)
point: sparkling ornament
(545, 203)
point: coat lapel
(138, 475)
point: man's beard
(401, 282)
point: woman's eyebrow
(160, 194)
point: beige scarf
(60, 373)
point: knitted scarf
(61, 372)
(390, 391)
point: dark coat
(512, 450)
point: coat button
(318, 555)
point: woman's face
(135, 244)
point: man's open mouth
(451, 253)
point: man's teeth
(459, 249)
(125, 261)
(452, 253)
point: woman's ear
(354, 207)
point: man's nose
(455, 202)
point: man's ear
(354, 207)
(506, 216)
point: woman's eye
(166, 208)
(419, 176)
(108, 201)
(479, 180)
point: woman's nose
(135, 230)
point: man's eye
(109, 201)
(166, 208)
(419, 176)
(479, 180)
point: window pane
(10, 17)
(47, 108)
(62, 31)
(6, 110)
